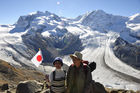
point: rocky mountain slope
(11, 76)
(127, 52)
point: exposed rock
(99, 88)
(128, 53)
(29, 87)
(4, 87)
(96, 87)
(45, 91)
(119, 91)
(11, 75)
(114, 91)
(60, 44)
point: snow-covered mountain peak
(40, 13)
(98, 12)
(96, 20)
(134, 25)
(36, 13)
(99, 20)
(135, 18)
(37, 20)
(91, 14)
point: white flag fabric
(37, 59)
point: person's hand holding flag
(38, 58)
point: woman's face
(57, 64)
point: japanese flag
(38, 58)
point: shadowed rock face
(127, 52)
(53, 46)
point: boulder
(30, 86)
(4, 87)
(96, 87)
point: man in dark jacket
(78, 76)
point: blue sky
(10, 10)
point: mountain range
(109, 40)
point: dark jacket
(78, 79)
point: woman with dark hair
(57, 77)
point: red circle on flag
(39, 58)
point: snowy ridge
(99, 20)
(37, 21)
(134, 25)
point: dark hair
(58, 59)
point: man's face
(76, 61)
(57, 64)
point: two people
(78, 76)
